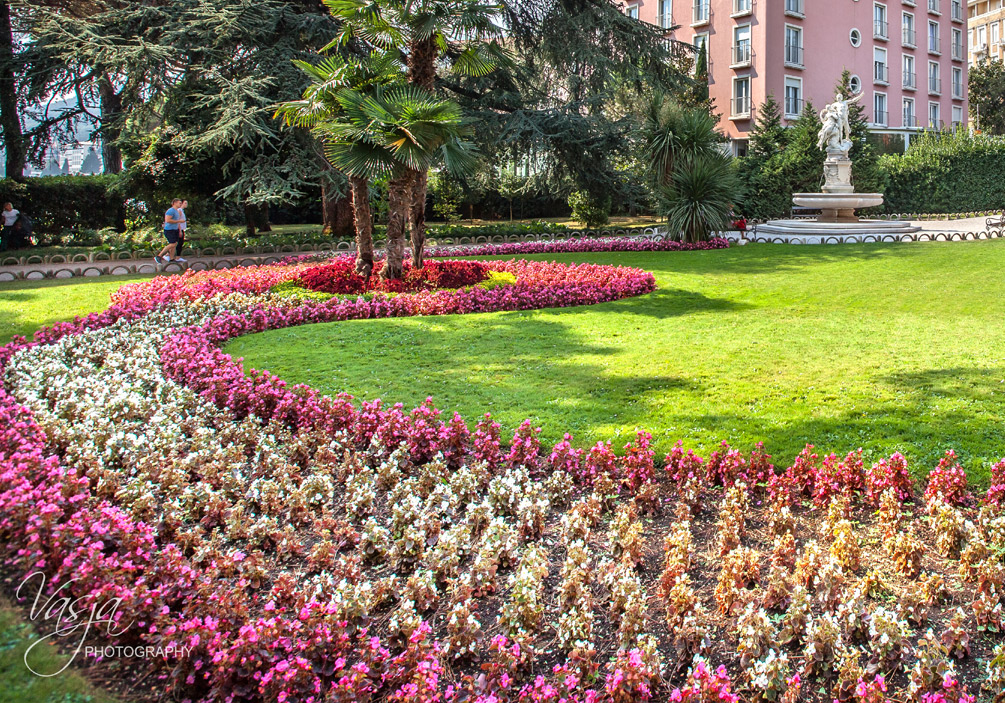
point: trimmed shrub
(57, 204)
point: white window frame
(799, 54)
(741, 12)
(909, 58)
(749, 61)
(937, 75)
(934, 7)
(903, 112)
(697, 21)
(934, 124)
(886, 109)
(957, 110)
(885, 36)
(957, 71)
(956, 37)
(876, 51)
(793, 81)
(664, 19)
(630, 9)
(733, 97)
(798, 11)
(904, 28)
(937, 49)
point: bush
(590, 210)
(340, 277)
(947, 172)
(66, 204)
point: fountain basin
(837, 207)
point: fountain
(838, 201)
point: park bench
(998, 221)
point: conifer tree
(866, 173)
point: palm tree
(320, 104)
(423, 31)
(396, 131)
(672, 131)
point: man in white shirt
(182, 230)
(10, 216)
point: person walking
(182, 230)
(172, 220)
(10, 216)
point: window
(910, 78)
(742, 7)
(794, 7)
(793, 96)
(880, 73)
(957, 10)
(934, 119)
(934, 43)
(740, 108)
(741, 45)
(879, 109)
(982, 37)
(934, 82)
(910, 120)
(700, 12)
(793, 46)
(957, 44)
(957, 116)
(957, 82)
(701, 42)
(993, 30)
(880, 27)
(933, 7)
(633, 11)
(908, 30)
(855, 37)
(855, 84)
(665, 17)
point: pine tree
(768, 140)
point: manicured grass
(19, 685)
(886, 347)
(27, 305)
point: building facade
(986, 20)
(907, 58)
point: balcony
(880, 73)
(910, 120)
(957, 90)
(880, 117)
(910, 81)
(934, 45)
(740, 108)
(742, 7)
(933, 7)
(934, 85)
(700, 13)
(742, 55)
(957, 51)
(795, 8)
(908, 37)
(793, 107)
(664, 21)
(957, 11)
(880, 30)
(794, 56)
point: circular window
(855, 84)
(856, 37)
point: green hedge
(945, 173)
(59, 203)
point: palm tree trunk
(399, 208)
(364, 225)
(418, 219)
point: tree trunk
(10, 120)
(399, 207)
(422, 62)
(418, 219)
(111, 109)
(249, 218)
(262, 218)
(364, 225)
(336, 205)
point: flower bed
(339, 277)
(287, 546)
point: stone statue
(835, 135)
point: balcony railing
(933, 7)
(957, 51)
(793, 107)
(880, 29)
(700, 12)
(908, 37)
(664, 21)
(742, 7)
(957, 90)
(742, 54)
(880, 117)
(935, 123)
(739, 108)
(934, 85)
(880, 74)
(910, 81)
(910, 120)
(934, 45)
(957, 11)
(795, 7)
(793, 55)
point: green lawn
(887, 347)
(27, 305)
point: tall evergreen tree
(866, 173)
(768, 140)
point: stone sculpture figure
(835, 134)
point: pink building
(908, 58)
